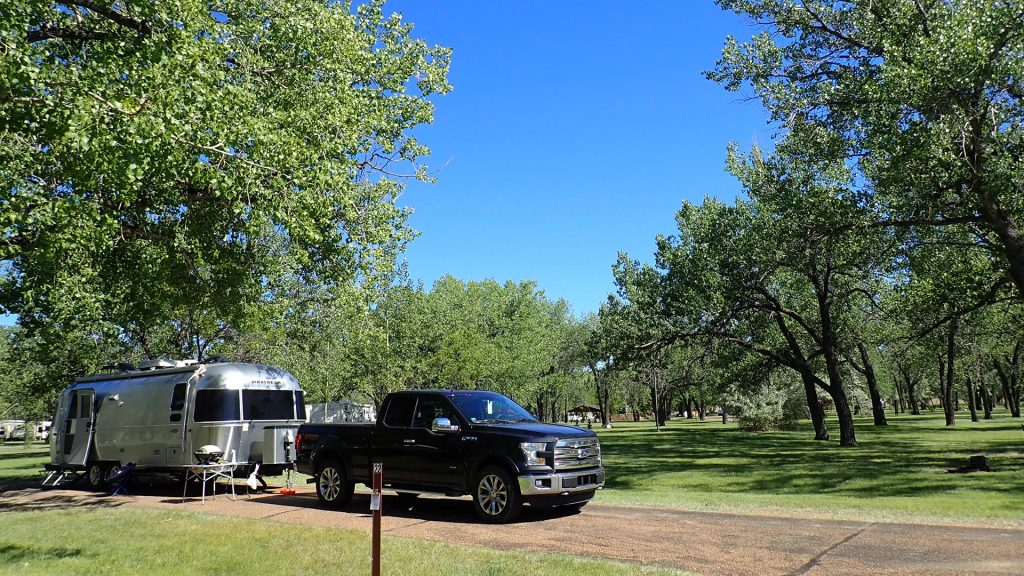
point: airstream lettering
(159, 415)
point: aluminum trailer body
(158, 418)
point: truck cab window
(399, 414)
(429, 408)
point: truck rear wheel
(332, 484)
(496, 497)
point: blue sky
(574, 131)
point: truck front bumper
(561, 483)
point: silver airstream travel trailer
(160, 415)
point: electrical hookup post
(378, 482)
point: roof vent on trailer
(156, 364)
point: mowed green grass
(19, 460)
(897, 473)
(135, 541)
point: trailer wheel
(333, 487)
(95, 474)
(496, 497)
(109, 472)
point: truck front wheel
(496, 497)
(332, 484)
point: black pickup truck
(456, 442)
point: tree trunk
(947, 392)
(912, 396)
(986, 399)
(972, 404)
(942, 382)
(900, 403)
(847, 436)
(1000, 220)
(877, 409)
(604, 400)
(814, 405)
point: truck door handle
(408, 441)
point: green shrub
(766, 407)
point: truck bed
(349, 437)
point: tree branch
(50, 32)
(115, 16)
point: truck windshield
(491, 408)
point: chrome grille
(575, 453)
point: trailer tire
(496, 497)
(96, 474)
(333, 487)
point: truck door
(78, 427)
(391, 436)
(435, 455)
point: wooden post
(375, 499)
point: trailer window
(178, 397)
(300, 405)
(216, 405)
(268, 405)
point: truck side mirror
(443, 425)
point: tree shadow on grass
(12, 553)
(27, 500)
(907, 458)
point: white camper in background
(13, 430)
(161, 414)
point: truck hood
(536, 430)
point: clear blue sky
(574, 131)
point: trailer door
(78, 427)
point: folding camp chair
(119, 478)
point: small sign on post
(378, 482)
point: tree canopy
(161, 161)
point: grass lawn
(898, 473)
(136, 541)
(19, 460)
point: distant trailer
(13, 429)
(160, 416)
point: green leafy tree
(160, 160)
(924, 99)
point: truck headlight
(531, 450)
